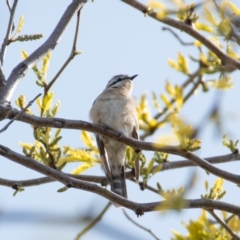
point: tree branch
(211, 160)
(21, 69)
(224, 225)
(94, 222)
(138, 208)
(38, 181)
(226, 59)
(71, 56)
(177, 37)
(129, 174)
(5, 40)
(148, 146)
(139, 225)
(19, 114)
(9, 30)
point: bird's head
(121, 82)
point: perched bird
(115, 109)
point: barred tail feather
(118, 185)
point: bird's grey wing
(102, 152)
(137, 164)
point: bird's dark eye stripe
(118, 80)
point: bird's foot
(105, 127)
(120, 135)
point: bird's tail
(118, 184)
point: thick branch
(38, 181)
(226, 59)
(138, 208)
(148, 146)
(129, 175)
(211, 160)
(21, 69)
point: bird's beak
(133, 76)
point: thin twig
(223, 224)
(191, 91)
(176, 36)
(10, 9)
(139, 225)
(173, 100)
(94, 222)
(9, 31)
(19, 114)
(9, 6)
(229, 218)
(71, 56)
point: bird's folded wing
(137, 164)
(102, 152)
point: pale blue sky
(114, 38)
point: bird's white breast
(117, 113)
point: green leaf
(230, 144)
(47, 101)
(150, 166)
(203, 27)
(206, 185)
(210, 17)
(157, 169)
(234, 8)
(24, 55)
(224, 83)
(155, 101)
(18, 189)
(24, 38)
(181, 65)
(28, 146)
(46, 61)
(40, 80)
(21, 101)
(182, 62)
(78, 155)
(216, 192)
(88, 140)
(58, 131)
(20, 24)
(82, 167)
(54, 141)
(63, 189)
(166, 101)
(55, 108)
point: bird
(115, 109)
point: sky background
(114, 38)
